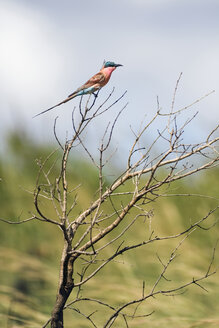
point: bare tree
(118, 206)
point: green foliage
(30, 253)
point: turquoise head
(111, 64)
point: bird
(95, 83)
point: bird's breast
(107, 73)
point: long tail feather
(62, 102)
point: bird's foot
(95, 95)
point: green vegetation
(30, 253)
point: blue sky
(49, 48)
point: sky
(50, 47)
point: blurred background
(48, 49)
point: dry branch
(87, 235)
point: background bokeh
(48, 49)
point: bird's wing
(97, 78)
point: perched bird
(95, 83)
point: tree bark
(66, 285)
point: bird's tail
(62, 102)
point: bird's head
(111, 64)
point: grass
(30, 254)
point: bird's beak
(117, 65)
